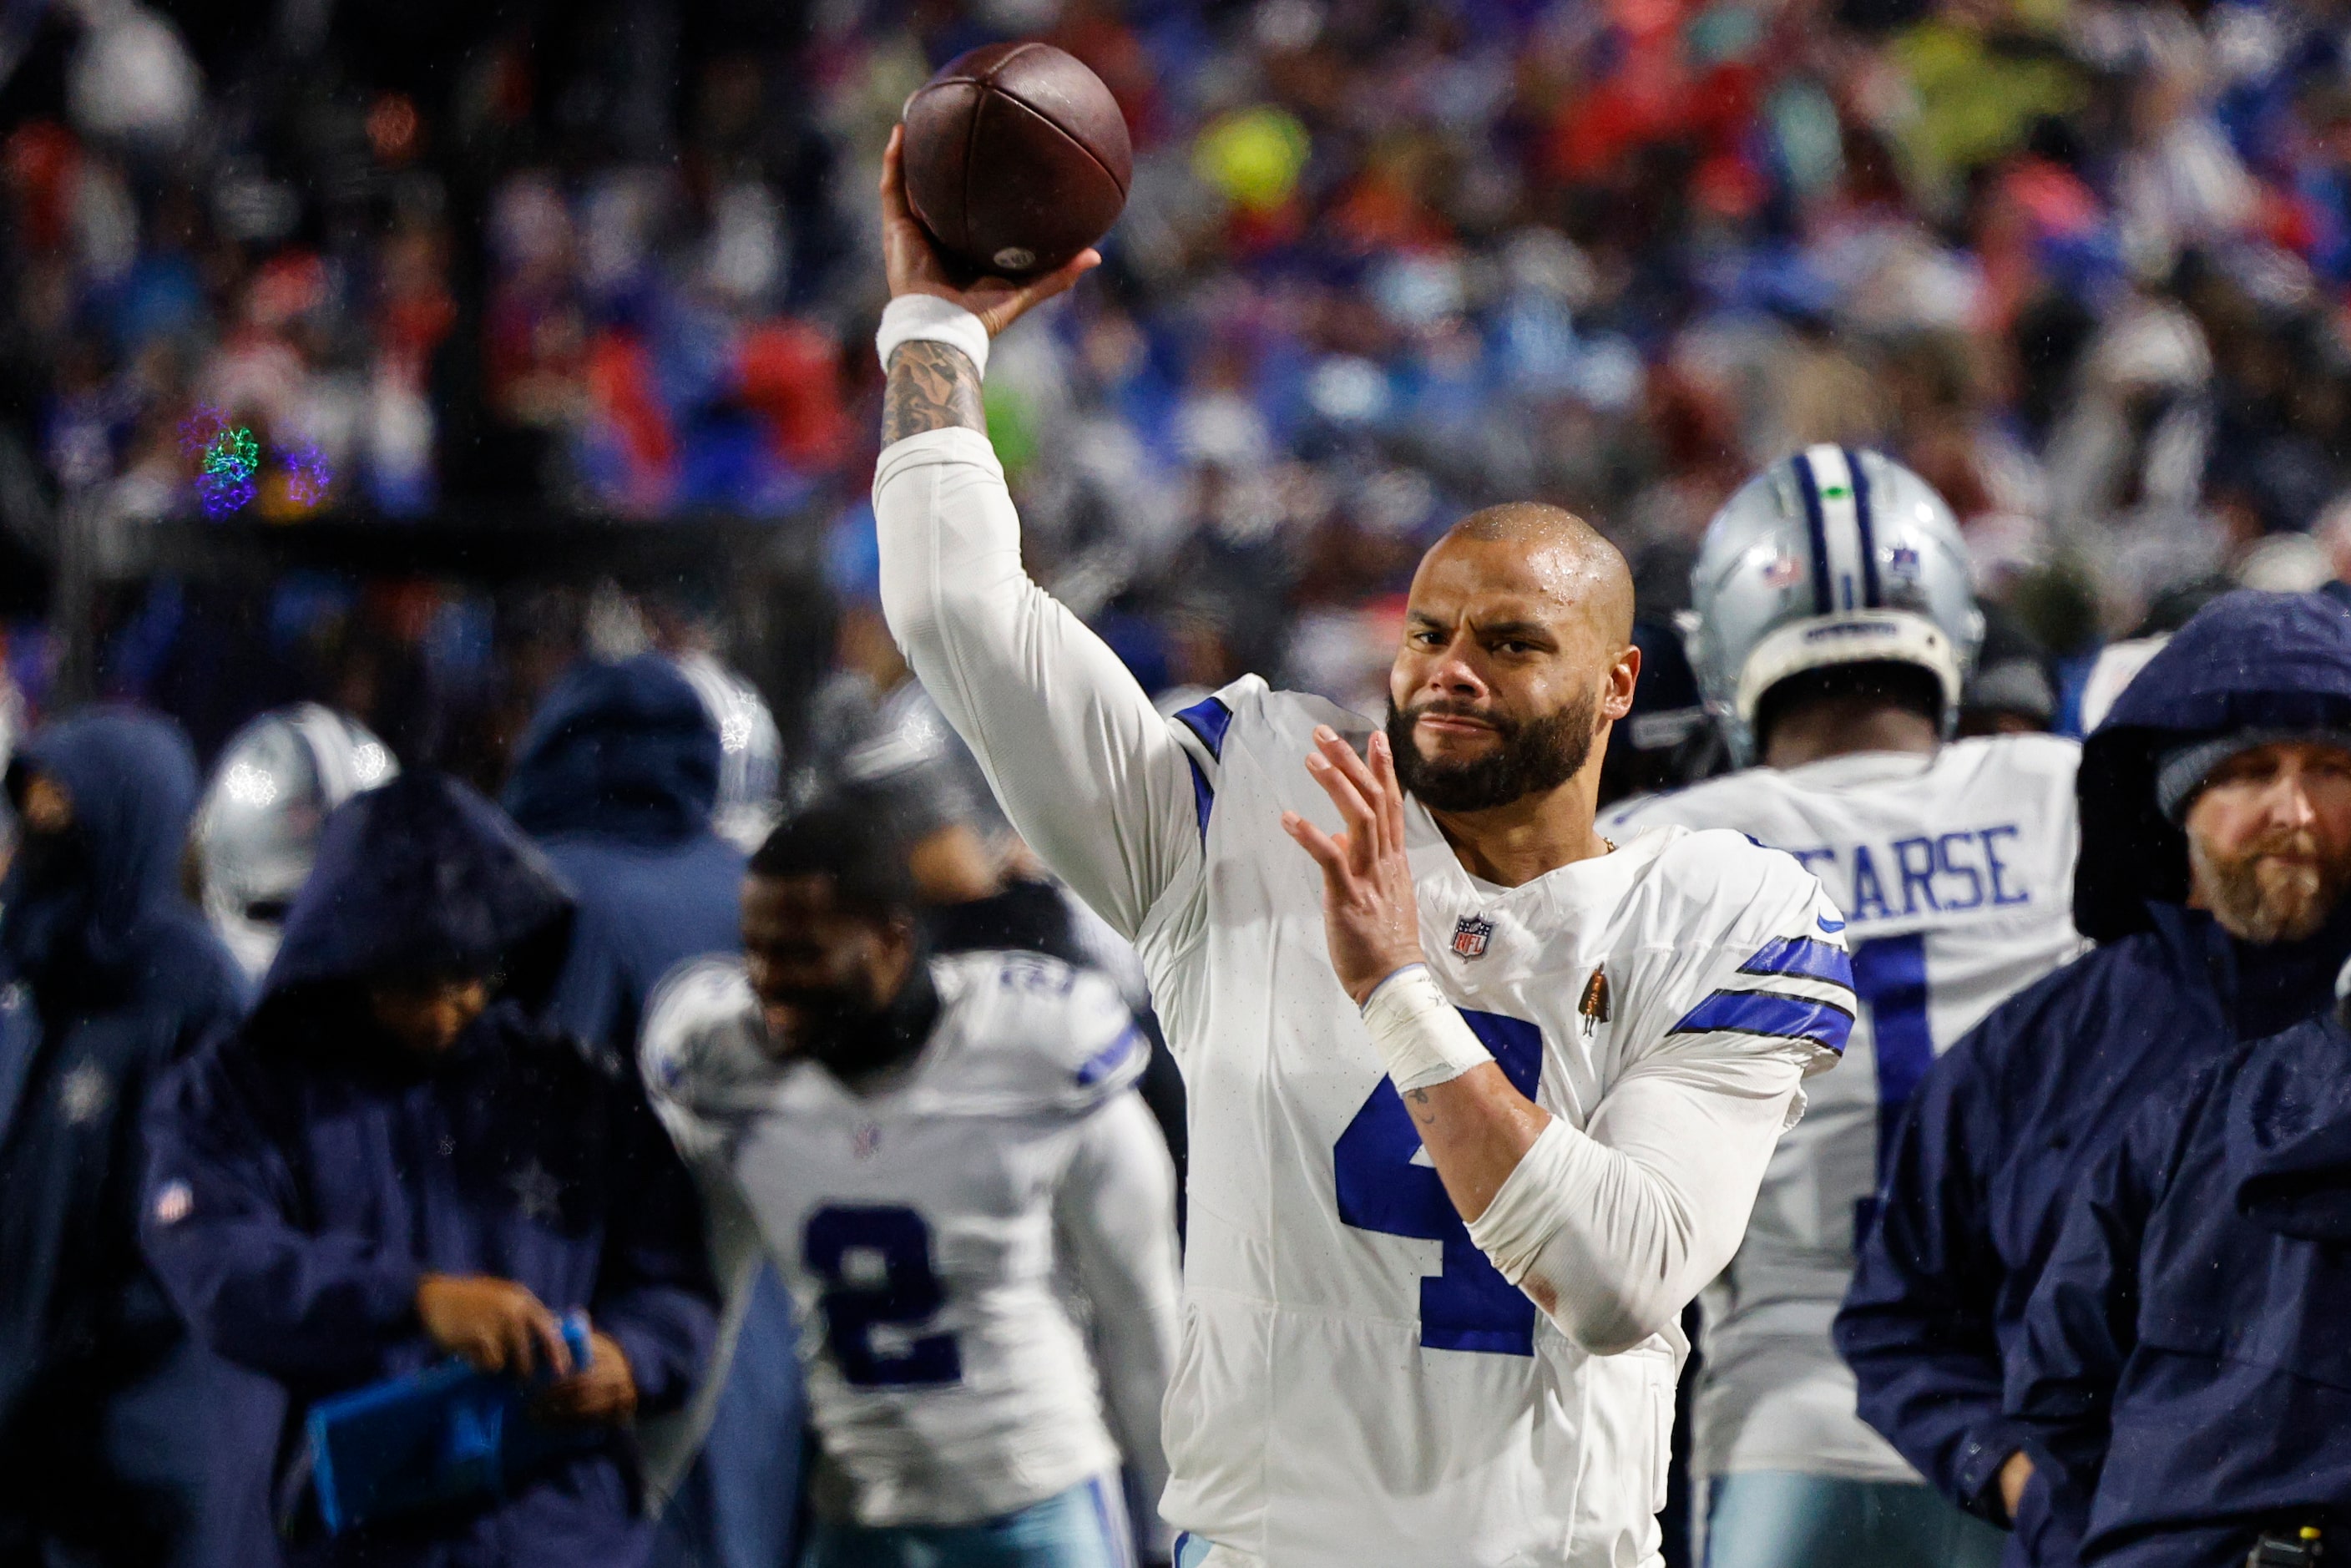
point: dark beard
(853, 1039)
(1534, 757)
(838, 1028)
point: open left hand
(604, 1393)
(915, 266)
(1369, 911)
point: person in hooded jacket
(107, 1408)
(2216, 844)
(392, 1162)
(2183, 1379)
(618, 779)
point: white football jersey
(1357, 1386)
(953, 1238)
(1956, 874)
(1346, 1343)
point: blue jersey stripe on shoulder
(1805, 955)
(1772, 1013)
(1202, 796)
(1209, 718)
(1110, 1057)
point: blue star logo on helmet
(1904, 561)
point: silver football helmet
(257, 829)
(1833, 556)
(750, 751)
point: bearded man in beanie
(2216, 848)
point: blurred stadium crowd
(2081, 265)
(2084, 266)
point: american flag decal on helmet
(1470, 936)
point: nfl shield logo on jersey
(1470, 934)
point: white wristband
(1423, 1038)
(931, 320)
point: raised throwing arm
(1088, 771)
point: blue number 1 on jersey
(1470, 1306)
(1889, 974)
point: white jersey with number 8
(981, 1250)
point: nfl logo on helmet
(1470, 934)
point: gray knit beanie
(2180, 773)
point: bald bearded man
(1477, 1100)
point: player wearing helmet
(257, 828)
(1836, 632)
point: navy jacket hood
(421, 875)
(2248, 659)
(133, 780)
(624, 751)
(2288, 1140)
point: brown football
(1016, 158)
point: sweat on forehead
(1581, 562)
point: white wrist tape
(1526, 1211)
(1423, 1038)
(929, 318)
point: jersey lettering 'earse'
(1903, 878)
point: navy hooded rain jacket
(107, 1409)
(616, 777)
(2007, 1122)
(2184, 1373)
(309, 1172)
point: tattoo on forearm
(1423, 1115)
(931, 387)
